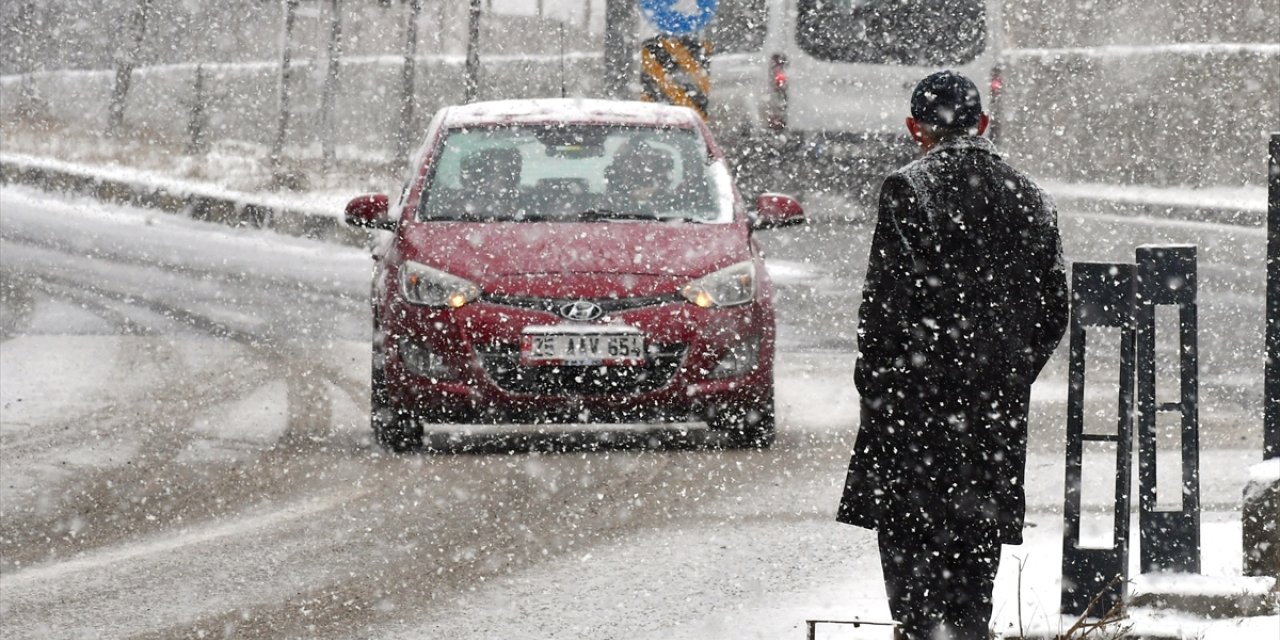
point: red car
(570, 261)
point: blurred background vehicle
(810, 92)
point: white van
(811, 94)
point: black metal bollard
(1258, 519)
(1170, 540)
(1101, 296)
(1271, 412)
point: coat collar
(962, 143)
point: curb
(1209, 605)
(1233, 216)
(234, 211)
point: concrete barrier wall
(209, 205)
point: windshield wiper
(463, 216)
(598, 215)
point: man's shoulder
(915, 175)
(1018, 180)
(993, 163)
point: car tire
(748, 426)
(394, 429)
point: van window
(906, 32)
(739, 26)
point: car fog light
(421, 360)
(739, 360)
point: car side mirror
(775, 210)
(369, 211)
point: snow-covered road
(184, 451)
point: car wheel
(748, 426)
(394, 429)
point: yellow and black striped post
(676, 70)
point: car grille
(607, 305)
(502, 364)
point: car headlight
(727, 287)
(423, 285)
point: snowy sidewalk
(1040, 558)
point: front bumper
(463, 365)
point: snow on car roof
(576, 110)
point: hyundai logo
(581, 311)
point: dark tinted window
(908, 32)
(739, 26)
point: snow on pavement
(734, 575)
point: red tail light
(778, 67)
(993, 107)
(777, 113)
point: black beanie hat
(946, 99)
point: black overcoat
(965, 300)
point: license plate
(605, 345)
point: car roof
(571, 111)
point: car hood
(501, 256)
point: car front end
(571, 261)
(619, 347)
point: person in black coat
(964, 302)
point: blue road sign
(678, 17)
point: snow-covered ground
(754, 557)
(184, 443)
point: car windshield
(576, 173)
